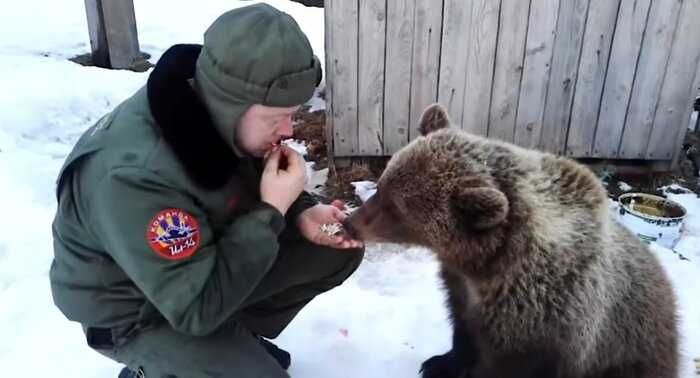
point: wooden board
(536, 71)
(562, 80)
(329, 80)
(120, 30)
(397, 87)
(626, 46)
(480, 65)
(426, 59)
(370, 103)
(509, 68)
(453, 57)
(98, 38)
(593, 66)
(678, 93)
(344, 28)
(663, 18)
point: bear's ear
(481, 208)
(434, 117)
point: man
(182, 235)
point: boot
(280, 355)
(126, 373)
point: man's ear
(434, 117)
(481, 208)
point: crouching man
(183, 239)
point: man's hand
(310, 221)
(283, 178)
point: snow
(625, 187)
(364, 189)
(384, 321)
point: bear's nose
(349, 229)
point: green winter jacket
(158, 219)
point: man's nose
(286, 129)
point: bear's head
(440, 192)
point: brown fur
(541, 280)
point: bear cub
(541, 281)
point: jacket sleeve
(196, 293)
(302, 203)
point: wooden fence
(585, 78)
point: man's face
(262, 127)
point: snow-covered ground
(384, 321)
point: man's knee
(348, 260)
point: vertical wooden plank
(536, 71)
(602, 15)
(509, 68)
(453, 57)
(562, 81)
(344, 30)
(329, 79)
(663, 18)
(678, 92)
(120, 29)
(370, 103)
(96, 29)
(397, 87)
(426, 59)
(480, 64)
(631, 22)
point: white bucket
(652, 218)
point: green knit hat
(254, 55)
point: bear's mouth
(350, 230)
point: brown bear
(541, 280)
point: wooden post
(113, 36)
(696, 108)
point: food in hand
(332, 229)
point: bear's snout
(350, 229)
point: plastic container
(652, 218)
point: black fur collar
(184, 121)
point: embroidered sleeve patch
(173, 234)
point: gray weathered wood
(426, 59)
(480, 64)
(536, 71)
(96, 30)
(509, 68)
(120, 29)
(678, 92)
(562, 80)
(595, 52)
(329, 79)
(344, 32)
(397, 87)
(370, 103)
(663, 18)
(453, 61)
(598, 76)
(626, 46)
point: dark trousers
(301, 272)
